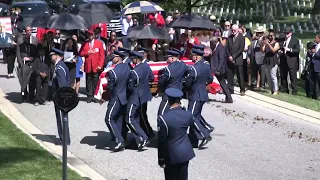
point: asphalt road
(250, 142)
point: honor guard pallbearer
(117, 85)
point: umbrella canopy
(148, 32)
(40, 21)
(142, 7)
(67, 21)
(95, 13)
(193, 21)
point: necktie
(42, 58)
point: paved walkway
(250, 141)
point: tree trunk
(316, 7)
(268, 11)
(188, 6)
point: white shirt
(317, 47)
(91, 44)
(287, 42)
(125, 26)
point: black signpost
(65, 99)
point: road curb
(8, 109)
(281, 106)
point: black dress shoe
(227, 101)
(119, 147)
(95, 100)
(204, 142)
(89, 100)
(142, 145)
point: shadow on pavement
(3, 76)
(100, 141)
(48, 138)
(14, 97)
(10, 156)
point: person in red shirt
(104, 29)
(41, 32)
(94, 54)
(184, 46)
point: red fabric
(104, 29)
(187, 53)
(41, 32)
(103, 93)
(95, 60)
(196, 41)
(160, 20)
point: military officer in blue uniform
(179, 51)
(60, 79)
(117, 85)
(171, 76)
(144, 107)
(197, 79)
(140, 93)
(144, 51)
(127, 51)
(174, 146)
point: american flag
(101, 89)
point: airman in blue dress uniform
(197, 79)
(127, 51)
(144, 51)
(117, 85)
(140, 93)
(172, 76)
(60, 79)
(179, 51)
(144, 107)
(174, 146)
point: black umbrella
(148, 32)
(95, 13)
(24, 74)
(193, 21)
(40, 21)
(67, 21)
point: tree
(316, 7)
(268, 17)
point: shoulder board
(206, 62)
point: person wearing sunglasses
(57, 39)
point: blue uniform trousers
(144, 122)
(133, 120)
(114, 119)
(176, 171)
(59, 118)
(195, 107)
(164, 107)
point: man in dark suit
(41, 68)
(315, 65)
(26, 53)
(117, 85)
(139, 93)
(174, 147)
(235, 47)
(219, 66)
(290, 50)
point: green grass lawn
(301, 99)
(23, 159)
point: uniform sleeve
(132, 80)
(210, 77)
(151, 76)
(111, 80)
(164, 77)
(162, 140)
(61, 77)
(190, 77)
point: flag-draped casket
(102, 90)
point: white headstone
(271, 26)
(198, 10)
(263, 10)
(295, 14)
(304, 4)
(307, 28)
(310, 4)
(288, 12)
(314, 30)
(227, 10)
(309, 16)
(299, 42)
(237, 22)
(298, 3)
(302, 15)
(250, 25)
(233, 11)
(245, 12)
(301, 31)
(264, 26)
(257, 25)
